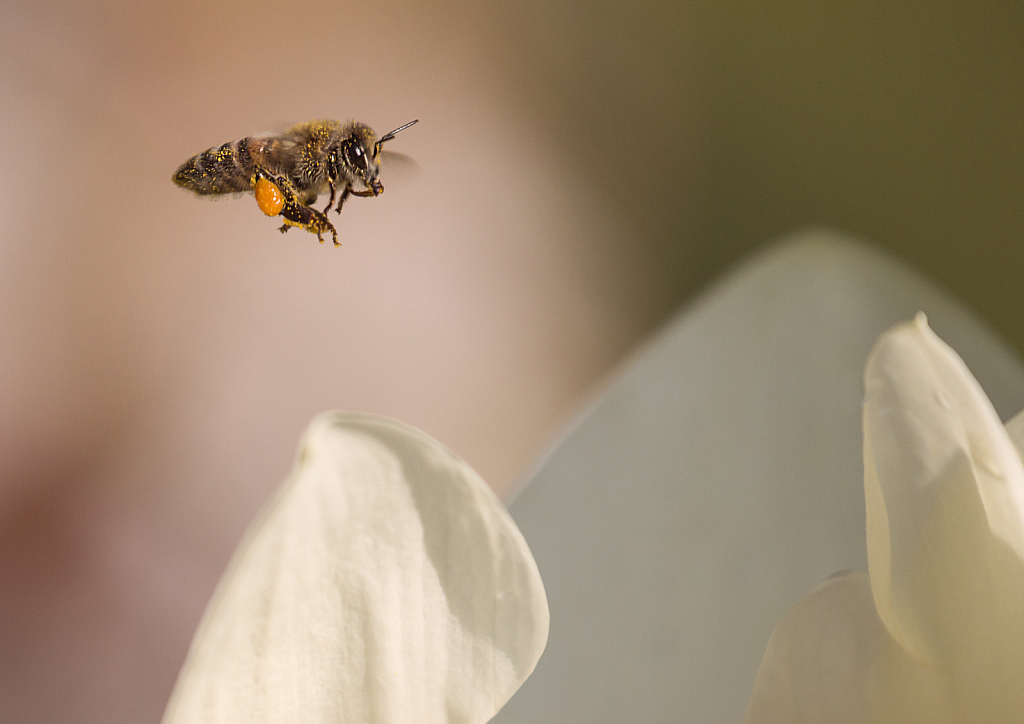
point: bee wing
(398, 165)
(283, 138)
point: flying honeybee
(288, 171)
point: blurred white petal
(1015, 429)
(717, 480)
(384, 584)
(831, 659)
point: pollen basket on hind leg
(269, 197)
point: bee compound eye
(357, 157)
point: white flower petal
(384, 584)
(831, 661)
(945, 516)
(935, 634)
(716, 480)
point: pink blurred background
(582, 173)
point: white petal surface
(945, 515)
(831, 661)
(716, 481)
(935, 634)
(385, 583)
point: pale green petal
(384, 584)
(945, 505)
(831, 661)
(1015, 429)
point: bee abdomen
(223, 169)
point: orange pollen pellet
(269, 197)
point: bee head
(356, 160)
(360, 153)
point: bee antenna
(389, 136)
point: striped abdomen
(228, 168)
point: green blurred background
(714, 127)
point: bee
(289, 171)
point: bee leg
(333, 192)
(341, 201)
(276, 196)
(313, 221)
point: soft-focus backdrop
(582, 173)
